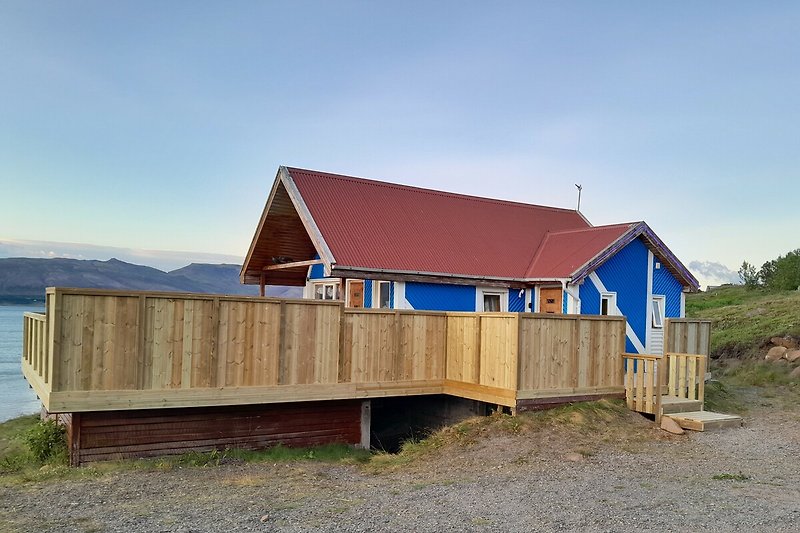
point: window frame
(336, 290)
(659, 302)
(481, 293)
(376, 294)
(611, 298)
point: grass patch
(46, 459)
(743, 319)
(755, 374)
(722, 398)
(731, 477)
(583, 417)
(29, 446)
(328, 453)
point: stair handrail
(687, 373)
(642, 383)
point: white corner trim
(683, 304)
(400, 301)
(595, 279)
(647, 322)
(573, 300)
(308, 221)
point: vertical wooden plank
(55, 322)
(345, 347)
(692, 377)
(701, 386)
(672, 386)
(650, 370)
(574, 353)
(283, 369)
(639, 386)
(629, 384)
(223, 343)
(681, 376)
(141, 327)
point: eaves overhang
(639, 229)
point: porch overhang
(287, 240)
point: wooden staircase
(684, 375)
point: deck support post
(366, 419)
(261, 285)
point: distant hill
(23, 280)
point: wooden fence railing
(642, 384)
(687, 376)
(105, 350)
(688, 335)
(34, 344)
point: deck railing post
(26, 339)
(659, 371)
(701, 385)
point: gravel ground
(554, 480)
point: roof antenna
(580, 187)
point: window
(382, 296)
(491, 299)
(657, 311)
(608, 303)
(491, 303)
(326, 291)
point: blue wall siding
(515, 303)
(317, 271)
(438, 297)
(367, 293)
(664, 283)
(626, 274)
(590, 298)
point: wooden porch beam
(294, 264)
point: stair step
(673, 404)
(705, 420)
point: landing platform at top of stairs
(705, 420)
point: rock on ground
(775, 353)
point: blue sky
(160, 125)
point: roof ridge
(594, 228)
(425, 190)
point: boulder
(787, 342)
(795, 374)
(670, 426)
(792, 355)
(775, 353)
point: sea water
(16, 398)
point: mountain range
(23, 280)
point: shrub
(47, 441)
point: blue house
(381, 245)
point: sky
(159, 126)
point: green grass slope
(745, 319)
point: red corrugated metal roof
(563, 252)
(376, 225)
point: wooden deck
(100, 350)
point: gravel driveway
(549, 480)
